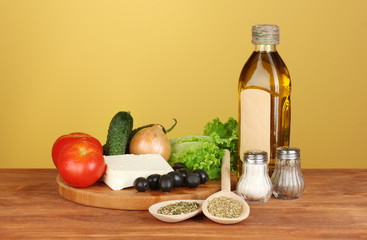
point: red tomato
(67, 139)
(81, 163)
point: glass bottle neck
(265, 48)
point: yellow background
(69, 66)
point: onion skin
(151, 140)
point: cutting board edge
(100, 200)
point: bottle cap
(265, 34)
(256, 157)
(288, 153)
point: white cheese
(122, 170)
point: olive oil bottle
(264, 98)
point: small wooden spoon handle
(226, 171)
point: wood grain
(333, 206)
(100, 195)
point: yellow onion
(151, 140)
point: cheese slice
(122, 170)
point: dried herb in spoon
(179, 208)
(225, 207)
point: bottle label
(255, 121)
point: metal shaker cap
(256, 157)
(288, 153)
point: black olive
(153, 181)
(192, 180)
(177, 179)
(166, 183)
(175, 168)
(178, 165)
(183, 172)
(141, 184)
(202, 174)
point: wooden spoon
(226, 192)
(174, 218)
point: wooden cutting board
(100, 195)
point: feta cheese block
(122, 170)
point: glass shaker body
(254, 186)
(287, 179)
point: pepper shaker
(287, 179)
(254, 185)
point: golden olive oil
(264, 99)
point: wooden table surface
(333, 206)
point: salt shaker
(254, 185)
(287, 179)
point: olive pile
(181, 176)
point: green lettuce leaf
(197, 152)
(206, 151)
(225, 135)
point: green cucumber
(118, 135)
